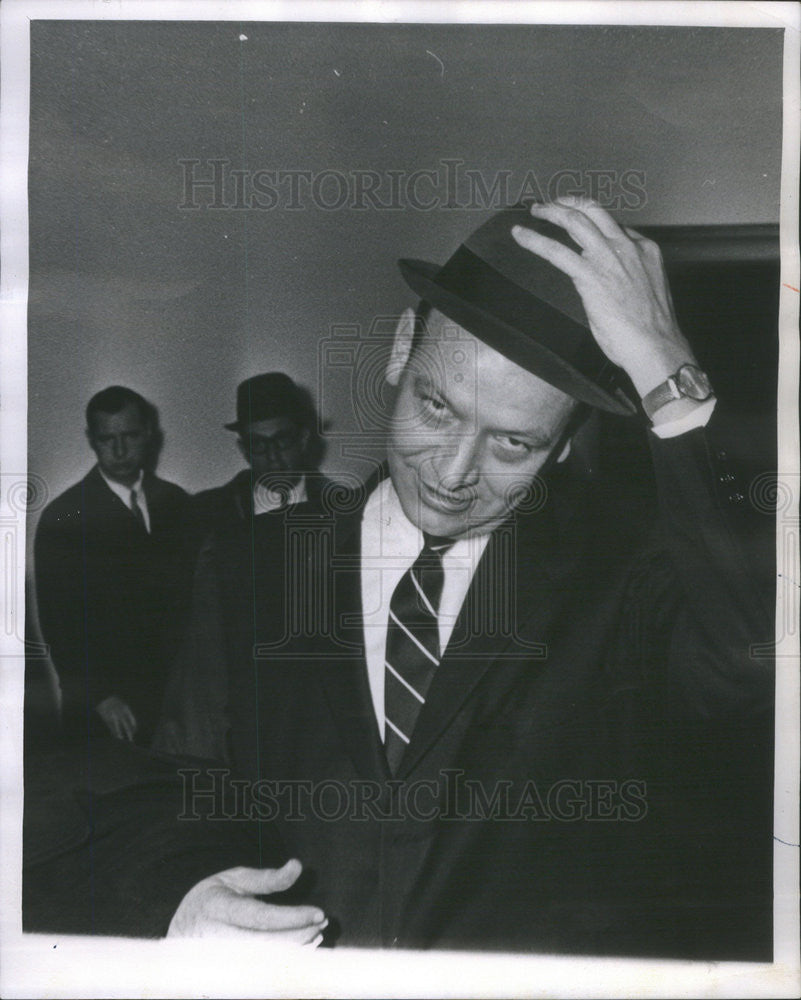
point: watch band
(689, 382)
(664, 393)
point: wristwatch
(689, 382)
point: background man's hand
(118, 716)
(621, 280)
(223, 906)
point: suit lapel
(503, 626)
(106, 502)
(343, 667)
(504, 622)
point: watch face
(693, 382)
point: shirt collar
(265, 499)
(124, 492)
(388, 533)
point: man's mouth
(444, 501)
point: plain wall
(181, 304)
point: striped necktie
(412, 650)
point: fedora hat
(523, 307)
(263, 397)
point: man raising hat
(486, 706)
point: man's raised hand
(622, 283)
(223, 905)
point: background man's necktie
(412, 651)
(137, 510)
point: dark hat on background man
(264, 397)
(523, 307)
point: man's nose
(457, 464)
(119, 447)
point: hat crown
(493, 243)
(265, 397)
(522, 306)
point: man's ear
(401, 347)
(565, 451)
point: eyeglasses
(259, 444)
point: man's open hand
(118, 717)
(622, 284)
(223, 906)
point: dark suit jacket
(594, 742)
(226, 506)
(194, 720)
(111, 596)
(591, 772)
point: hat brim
(513, 343)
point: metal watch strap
(664, 393)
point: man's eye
(514, 445)
(434, 406)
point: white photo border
(57, 966)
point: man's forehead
(437, 326)
(444, 336)
(128, 416)
(273, 425)
(462, 358)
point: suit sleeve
(700, 598)
(59, 567)
(59, 613)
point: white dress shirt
(390, 544)
(124, 493)
(265, 499)
(697, 417)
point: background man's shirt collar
(265, 499)
(124, 493)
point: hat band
(483, 286)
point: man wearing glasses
(276, 427)
(275, 423)
(487, 615)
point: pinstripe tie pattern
(412, 650)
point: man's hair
(116, 398)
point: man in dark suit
(277, 435)
(474, 705)
(113, 564)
